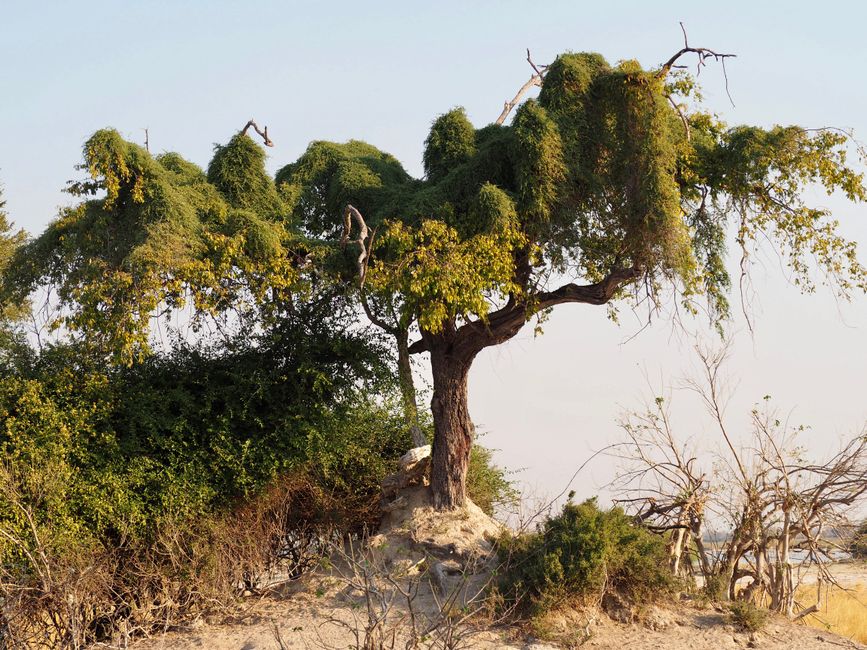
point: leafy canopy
(607, 178)
(162, 232)
(604, 173)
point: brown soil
(443, 560)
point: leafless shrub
(784, 513)
(55, 595)
(407, 605)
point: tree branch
(380, 323)
(505, 323)
(598, 293)
(703, 54)
(349, 214)
(535, 80)
(266, 140)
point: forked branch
(535, 80)
(264, 134)
(703, 55)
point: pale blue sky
(194, 72)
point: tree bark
(453, 428)
(407, 387)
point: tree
(10, 312)
(611, 185)
(608, 178)
(162, 233)
(858, 544)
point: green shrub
(716, 587)
(747, 616)
(858, 545)
(583, 551)
(141, 494)
(488, 485)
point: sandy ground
(329, 609)
(305, 621)
(847, 574)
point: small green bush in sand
(582, 552)
(747, 616)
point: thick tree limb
(535, 80)
(264, 134)
(349, 214)
(505, 323)
(598, 293)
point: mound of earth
(421, 579)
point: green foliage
(764, 172)
(452, 141)
(539, 164)
(488, 485)
(441, 276)
(10, 241)
(858, 544)
(160, 234)
(748, 616)
(601, 173)
(237, 170)
(12, 342)
(583, 551)
(716, 587)
(187, 470)
(183, 434)
(607, 170)
(318, 185)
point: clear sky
(193, 72)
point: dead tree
(784, 514)
(663, 486)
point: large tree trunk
(452, 352)
(407, 388)
(453, 428)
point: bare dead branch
(264, 134)
(350, 213)
(683, 119)
(775, 503)
(535, 80)
(703, 54)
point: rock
(414, 466)
(617, 609)
(413, 456)
(658, 619)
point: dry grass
(843, 612)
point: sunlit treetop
(606, 180)
(609, 181)
(150, 233)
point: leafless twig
(775, 502)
